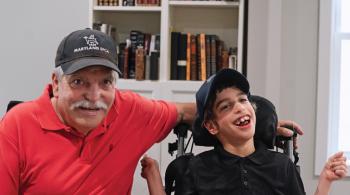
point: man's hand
(284, 128)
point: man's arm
(186, 112)
(334, 169)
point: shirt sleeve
(9, 158)
(294, 185)
(157, 117)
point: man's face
(234, 117)
(84, 98)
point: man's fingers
(295, 142)
(284, 132)
(292, 125)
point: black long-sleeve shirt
(218, 172)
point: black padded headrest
(265, 131)
(11, 104)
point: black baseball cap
(87, 47)
(229, 77)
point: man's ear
(54, 81)
(211, 127)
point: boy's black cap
(206, 91)
(83, 48)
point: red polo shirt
(40, 155)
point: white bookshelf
(223, 18)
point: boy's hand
(150, 167)
(335, 167)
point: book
(154, 68)
(181, 57)
(202, 57)
(121, 56)
(173, 54)
(193, 58)
(147, 67)
(134, 34)
(207, 56)
(213, 54)
(188, 57)
(140, 63)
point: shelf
(214, 4)
(128, 8)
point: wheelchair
(265, 132)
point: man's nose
(93, 93)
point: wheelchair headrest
(11, 104)
(265, 129)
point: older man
(82, 136)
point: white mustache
(89, 105)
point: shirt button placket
(244, 175)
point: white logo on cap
(92, 43)
(91, 40)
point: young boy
(237, 164)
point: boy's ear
(211, 127)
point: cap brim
(75, 65)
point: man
(82, 136)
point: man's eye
(107, 82)
(77, 82)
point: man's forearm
(186, 112)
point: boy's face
(233, 120)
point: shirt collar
(49, 119)
(258, 156)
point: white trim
(323, 84)
(328, 83)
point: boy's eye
(224, 106)
(244, 99)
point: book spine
(140, 64)
(188, 57)
(203, 59)
(181, 60)
(193, 58)
(173, 55)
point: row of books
(138, 57)
(198, 56)
(128, 2)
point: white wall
(30, 33)
(292, 84)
